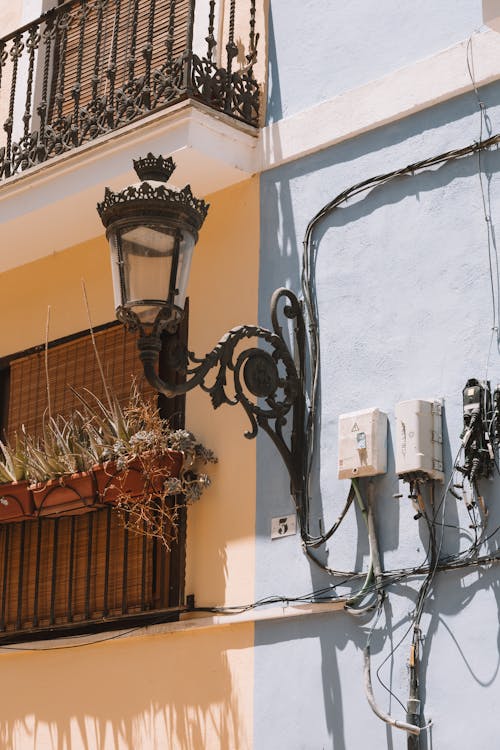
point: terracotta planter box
(16, 502)
(112, 482)
(68, 495)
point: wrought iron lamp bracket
(268, 381)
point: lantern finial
(153, 167)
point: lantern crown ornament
(152, 196)
(152, 230)
(152, 167)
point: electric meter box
(362, 444)
(419, 438)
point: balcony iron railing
(89, 67)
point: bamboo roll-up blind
(71, 585)
(75, 364)
(76, 569)
(99, 57)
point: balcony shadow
(169, 692)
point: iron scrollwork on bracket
(267, 381)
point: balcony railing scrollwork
(88, 67)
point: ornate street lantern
(152, 231)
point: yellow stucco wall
(183, 690)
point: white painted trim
(393, 97)
(187, 113)
(188, 622)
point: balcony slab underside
(53, 206)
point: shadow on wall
(335, 669)
(170, 692)
(274, 108)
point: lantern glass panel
(184, 266)
(142, 258)
(147, 254)
(145, 269)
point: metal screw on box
(152, 230)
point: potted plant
(16, 499)
(142, 465)
(127, 457)
(58, 467)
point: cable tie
(426, 726)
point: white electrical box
(419, 438)
(362, 444)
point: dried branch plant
(167, 487)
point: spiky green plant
(13, 461)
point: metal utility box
(362, 444)
(419, 438)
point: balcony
(92, 84)
(90, 67)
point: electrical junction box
(419, 439)
(362, 444)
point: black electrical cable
(485, 124)
(310, 302)
(318, 541)
(414, 624)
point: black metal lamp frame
(273, 376)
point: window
(80, 573)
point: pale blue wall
(404, 297)
(320, 48)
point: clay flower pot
(134, 480)
(16, 502)
(68, 495)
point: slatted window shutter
(73, 570)
(72, 365)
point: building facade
(404, 292)
(368, 126)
